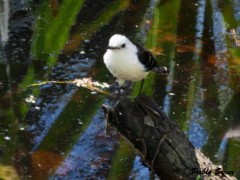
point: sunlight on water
(53, 82)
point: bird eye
(123, 45)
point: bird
(128, 61)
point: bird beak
(112, 47)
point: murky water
(56, 130)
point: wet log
(163, 147)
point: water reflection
(96, 159)
(4, 25)
(236, 9)
(4, 21)
(230, 134)
(56, 130)
(199, 28)
(219, 29)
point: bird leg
(160, 70)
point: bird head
(120, 43)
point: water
(57, 130)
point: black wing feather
(146, 58)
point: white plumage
(122, 61)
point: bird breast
(124, 65)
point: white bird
(127, 61)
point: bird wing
(146, 58)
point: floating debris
(88, 83)
(8, 138)
(30, 99)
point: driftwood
(162, 146)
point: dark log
(163, 147)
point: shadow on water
(57, 131)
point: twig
(85, 82)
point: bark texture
(163, 147)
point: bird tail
(160, 70)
